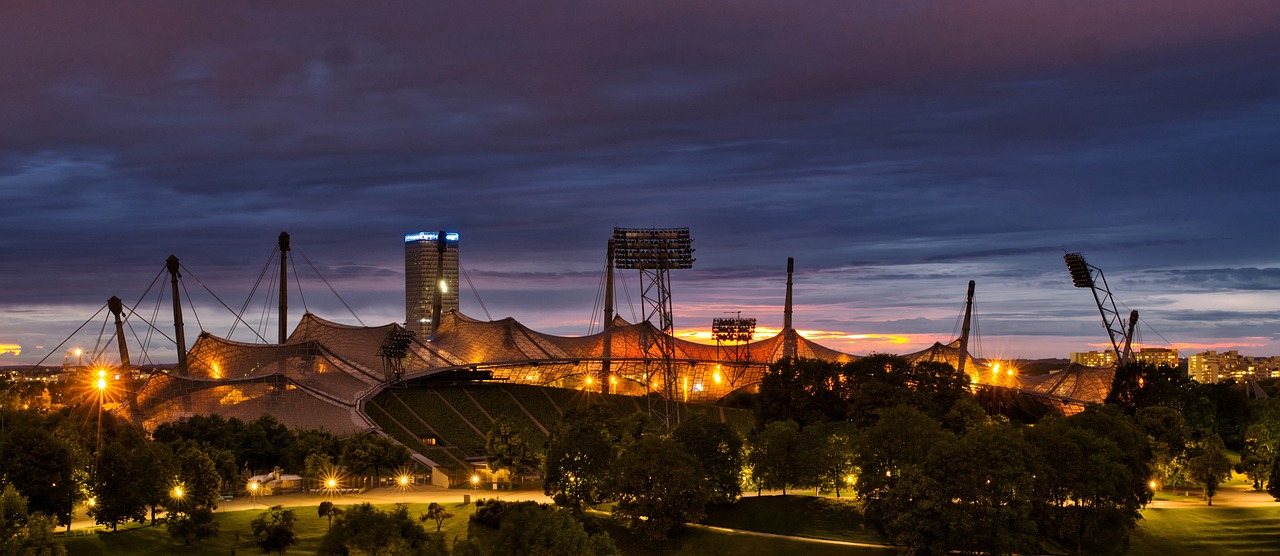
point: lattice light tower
(733, 343)
(1085, 275)
(655, 252)
(393, 350)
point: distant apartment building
(1159, 357)
(1094, 358)
(1211, 366)
(1154, 356)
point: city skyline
(895, 152)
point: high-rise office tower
(430, 279)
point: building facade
(1159, 357)
(430, 268)
(1097, 359)
(1211, 366)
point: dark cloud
(896, 151)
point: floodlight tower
(1085, 275)
(733, 342)
(655, 252)
(393, 350)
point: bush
(193, 526)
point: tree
(985, 476)
(307, 442)
(527, 528)
(1092, 472)
(579, 455)
(899, 441)
(22, 532)
(193, 525)
(437, 513)
(1273, 479)
(508, 449)
(42, 466)
(718, 450)
(118, 495)
(879, 382)
(1211, 466)
(365, 453)
(833, 458)
(660, 487)
(154, 470)
(364, 529)
(1168, 434)
(328, 510)
(781, 456)
(197, 476)
(195, 495)
(319, 466)
(802, 390)
(273, 529)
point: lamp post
(177, 499)
(403, 481)
(253, 493)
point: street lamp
(475, 482)
(253, 493)
(403, 482)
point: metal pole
(117, 307)
(172, 265)
(964, 330)
(284, 286)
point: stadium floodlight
(733, 329)
(652, 248)
(1081, 277)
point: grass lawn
(146, 540)
(801, 516)
(1175, 531)
(1207, 530)
(816, 516)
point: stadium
(405, 382)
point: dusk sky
(896, 150)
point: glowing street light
(402, 483)
(475, 482)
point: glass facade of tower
(430, 264)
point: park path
(416, 494)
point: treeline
(58, 461)
(929, 468)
